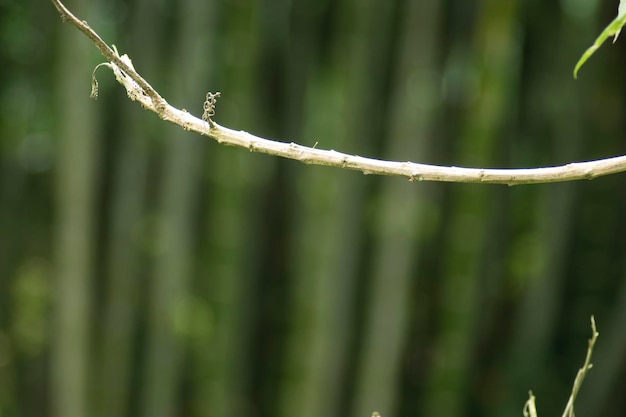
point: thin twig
(530, 409)
(582, 372)
(140, 90)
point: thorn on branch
(209, 106)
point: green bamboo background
(149, 272)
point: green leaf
(613, 29)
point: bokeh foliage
(147, 271)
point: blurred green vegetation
(147, 271)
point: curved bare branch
(140, 90)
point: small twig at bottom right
(530, 409)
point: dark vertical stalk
(121, 307)
(402, 209)
(489, 76)
(328, 220)
(553, 214)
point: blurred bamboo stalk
(402, 210)
(490, 85)
(329, 209)
(76, 187)
(172, 306)
(127, 215)
(553, 219)
(220, 367)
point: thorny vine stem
(140, 90)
